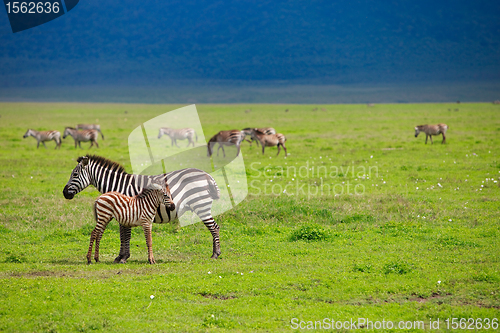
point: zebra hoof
(215, 256)
(123, 261)
(89, 262)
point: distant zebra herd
(139, 200)
(82, 133)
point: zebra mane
(148, 189)
(70, 127)
(104, 162)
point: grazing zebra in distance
(269, 140)
(192, 190)
(228, 138)
(90, 126)
(179, 134)
(265, 130)
(81, 136)
(44, 136)
(130, 212)
(431, 130)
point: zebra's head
(163, 191)
(67, 131)
(418, 129)
(79, 179)
(28, 133)
(163, 130)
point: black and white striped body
(179, 134)
(226, 138)
(248, 131)
(90, 126)
(191, 189)
(81, 136)
(136, 211)
(44, 136)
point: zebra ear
(84, 160)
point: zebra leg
(92, 238)
(263, 147)
(284, 148)
(430, 136)
(125, 233)
(147, 227)
(223, 151)
(96, 144)
(97, 243)
(213, 227)
(175, 140)
(37, 144)
(444, 139)
(238, 148)
(43, 142)
(426, 137)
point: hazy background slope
(158, 43)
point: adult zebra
(81, 136)
(90, 126)
(191, 189)
(179, 134)
(44, 136)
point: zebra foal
(270, 140)
(226, 138)
(89, 127)
(44, 136)
(81, 136)
(179, 134)
(130, 212)
(431, 130)
(248, 131)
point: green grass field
(361, 220)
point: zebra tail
(196, 136)
(213, 189)
(94, 210)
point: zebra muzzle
(68, 194)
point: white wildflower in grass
(439, 282)
(152, 296)
(449, 220)
(371, 156)
(220, 277)
(417, 188)
(209, 272)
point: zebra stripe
(179, 134)
(81, 136)
(191, 189)
(248, 131)
(44, 136)
(139, 210)
(232, 137)
(90, 127)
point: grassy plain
(410, 235)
